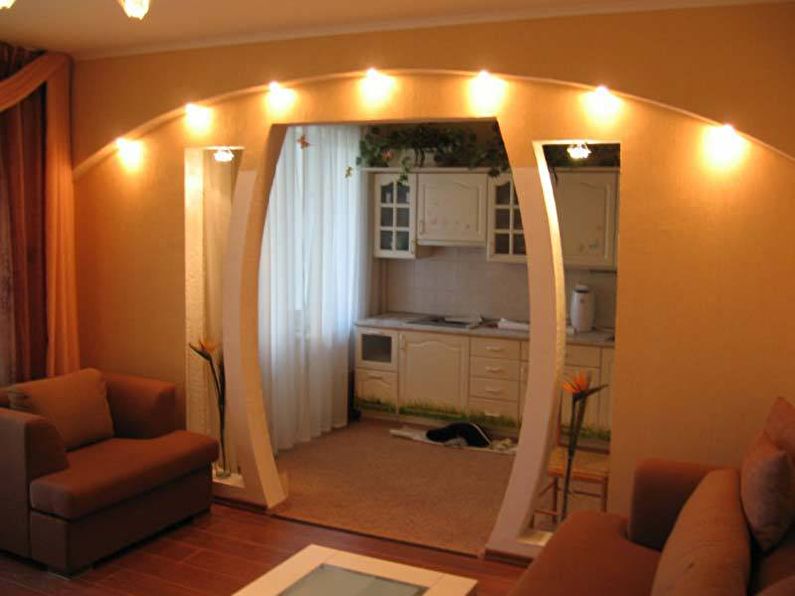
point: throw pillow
(767, 486)
(780, 426)
(76, 404)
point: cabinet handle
(422, 226)
(492, 390)
(413, 247)
(492, 414)
(494, 369)
(402, 342)
(375, 377)
(493, 349)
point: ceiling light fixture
(579, 150)
(6, 3)
(135, 9)
(223, 155)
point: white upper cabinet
(586, 202)
(394, 205)
(506, 232)
(451, 209)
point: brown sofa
(600, 554)
(68, 508)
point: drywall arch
(527, 110)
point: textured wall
(730, 64)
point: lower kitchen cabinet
(378, 389)
(449, 376)
(433, 371)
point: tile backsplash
(459, 280)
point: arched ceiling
(91, 28)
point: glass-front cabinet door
(506, 232)
(394, 203)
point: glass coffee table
(321, 571)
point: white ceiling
(94, 28)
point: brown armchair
(67, 506)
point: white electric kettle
(583, 308)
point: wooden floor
(222, 551)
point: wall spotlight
(199, 118)
(602, 104)
(723, 146)
(279, 98)
(131, 153)
(486, 93)
(376, 86)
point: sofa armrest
(660, 490)
(141, 408)
(31, 447)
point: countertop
(597, 338)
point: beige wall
(703, 337)
(730, 64)
(706, 259)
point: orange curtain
(53, 70)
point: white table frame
(313, 556)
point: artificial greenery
(450, 146)
(437, 412)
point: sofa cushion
(767, 487)
(776, 565)
(708, 551)
(109, 472)
(780, 426)
(76, 404)
(590, 554)
(786, 587)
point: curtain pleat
(37, 257)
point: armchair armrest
(31, 447)
(661, 488)
(141, 408)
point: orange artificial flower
(579, 383)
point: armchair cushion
(112, 471)
(141, 408)
(708, 551)
(590, 554)
(75, 403)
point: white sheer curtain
(313, 284)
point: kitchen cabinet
(434, 370)
(587, 203)
(377, 387)
(451, 209)
(506, 241)
(394, 206)
(439, 374)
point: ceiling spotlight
(579, 150)
(223, 155)
(135, 9)
(6, 3)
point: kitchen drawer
(495, 348)
(525, 351)
(494, 368)
(582, 356)
(376, 385)
(496, 389)
(493, 408)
